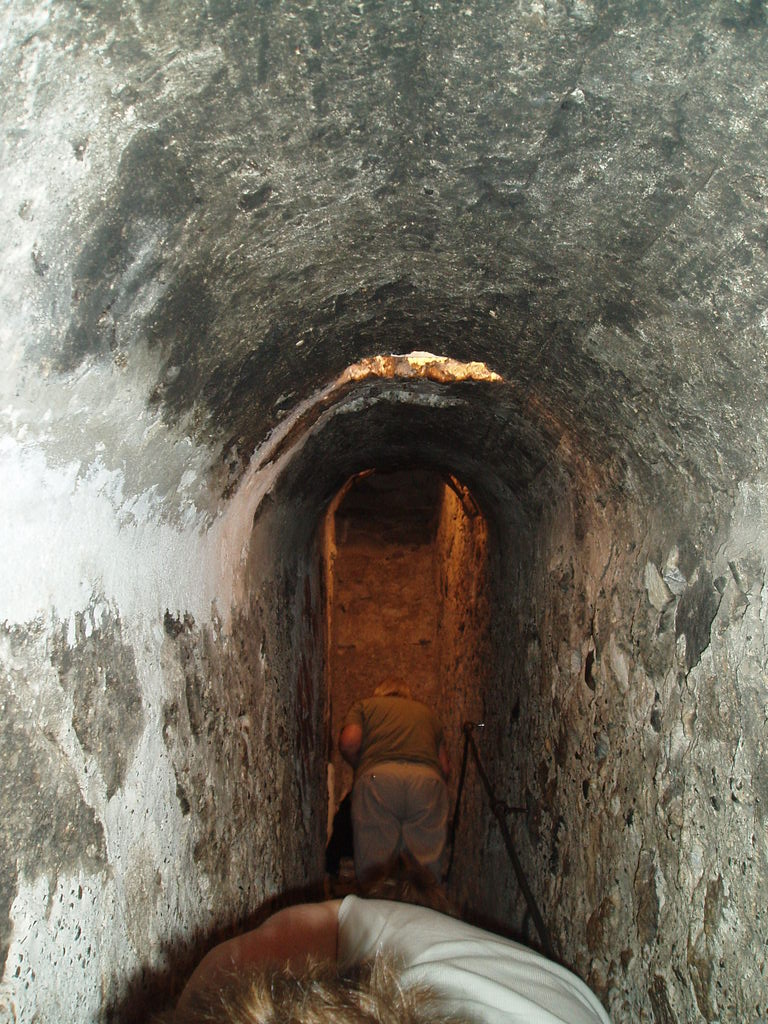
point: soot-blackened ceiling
(573, 193)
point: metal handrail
(500, 809)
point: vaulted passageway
(407, 591)
(406, 578)
(232, 237)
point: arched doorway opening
(406, 569)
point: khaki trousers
(399, 806)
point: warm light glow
(419, 364)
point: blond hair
(372, 994)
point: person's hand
(351, 743)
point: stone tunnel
(260, 254)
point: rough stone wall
(244, 736)
(286, 632)
(635, 728)
(461, 552)
(160, 767)
(207, 215)
(241, 726)
(384, 617)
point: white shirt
(474, 973)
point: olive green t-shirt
(396, 729)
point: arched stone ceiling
(241, 199)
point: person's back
(474, 973)
(397, 729)
(312, 963)
(399, 799)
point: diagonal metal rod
(457, 808)
(499, 809)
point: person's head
(318, 995)
(393, 688)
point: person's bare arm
(445, 761)
(350, 743)
(291, 936)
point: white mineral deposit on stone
(619, 664)
(679, 740)
(671, 573)
(680, 647)
(675, 580)
(658, 592)
(602, 746)
(90, 553)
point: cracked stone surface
(230, 233)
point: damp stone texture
(156, 761)
(465, 681)
(634, 728)
(250, 249)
